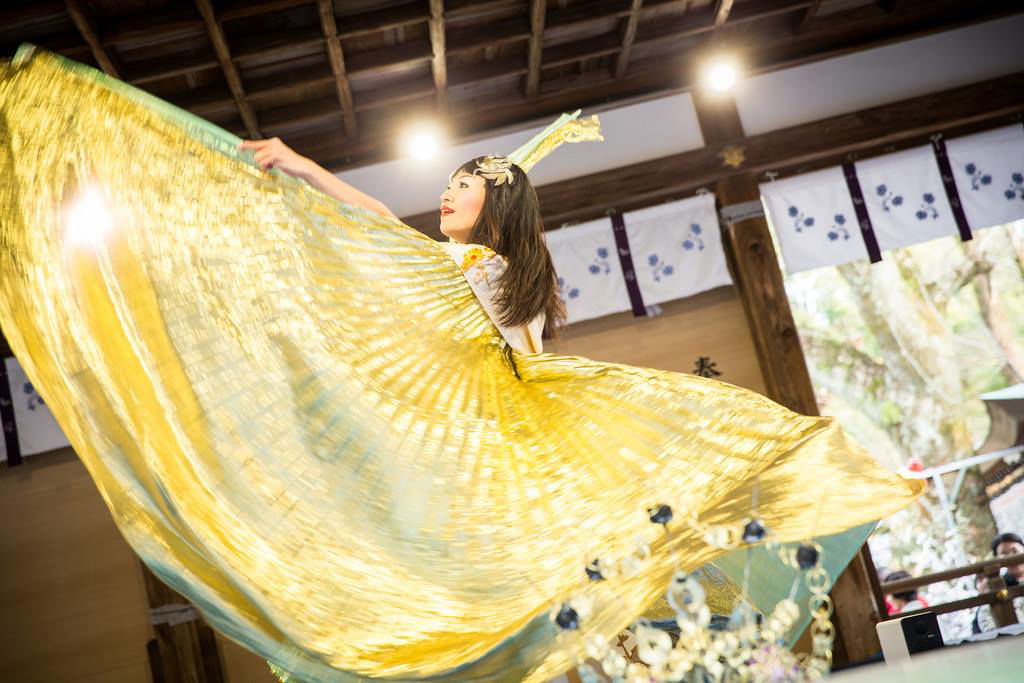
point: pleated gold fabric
(300, 416)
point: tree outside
(899, 352)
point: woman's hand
(273, 153)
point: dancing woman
(303, 419)
(490, 213)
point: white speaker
(906, 636)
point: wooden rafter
(538, 10)
(808, 16)
(660, 32)
(134, 33)
(439, 62)
(628, 38)
(85, 25)
(292, 65)
(329, 28)
(662, 74)
(247, 8)
(220, 46)
(722, 9)
(469, 39)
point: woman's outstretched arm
(273, 153)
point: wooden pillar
(759, 283)
(185, 648)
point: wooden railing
(998, 596)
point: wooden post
(183, 651)
(1002, 610)
(759, 283)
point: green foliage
(899, 353)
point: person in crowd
(1003, 545)
(904, 601)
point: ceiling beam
(160, 67)
(399, 92)
(474, 114)
(87, 27)
(220, 46)
(668, 74)
(387, 59)
(262, 93)
(808, 16)
(15, 20)
(476, 8)
(247, 8)
(792, 150)
(765, 8)
(628, 38)
(399, 16)
(288, 44)
(139, 32)
(439, 62)
(722, 9)
(538, 10)
(329, 28)
(570, 53)
(281, 45)
(581, 13)
(489, 36)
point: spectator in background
(1003, 545)
(904, 601)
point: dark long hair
(510, 224)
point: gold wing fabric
(301, 418)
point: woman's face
(461, 204)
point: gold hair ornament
(568, 128)
(498, 169)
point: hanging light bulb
(422, 141)
(721, 75)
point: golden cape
(300, 416)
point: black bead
(806, 556)
(661, 514)
(753, 532)
(594, 572)
(567, 618)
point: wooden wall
(72, 602)
(710, 324)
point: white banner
(676, 249)
(989, 172)
(814, 220)
(905, 198)
(38, 431)
(589, 273)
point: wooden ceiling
(337, 80)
